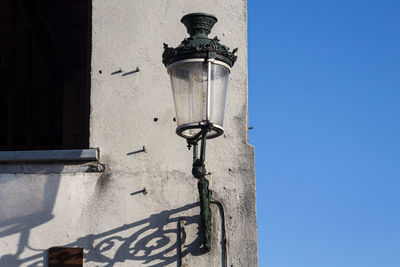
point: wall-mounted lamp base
(205, 211)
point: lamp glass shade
(194, 102)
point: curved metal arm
(199, 168)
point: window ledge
(38, 156)
(50, 161)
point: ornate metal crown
(198, 45)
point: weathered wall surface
(106, 213)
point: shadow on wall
(26, 201)
(159, 240)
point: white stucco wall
(104, 212)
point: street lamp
(199, 70)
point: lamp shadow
(161, 239)
(27, 202)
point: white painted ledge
(37, 156)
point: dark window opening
(65, 257)
(44, 74)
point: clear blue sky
(324, 101)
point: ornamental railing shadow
(159, 240)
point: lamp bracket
(199, 172)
